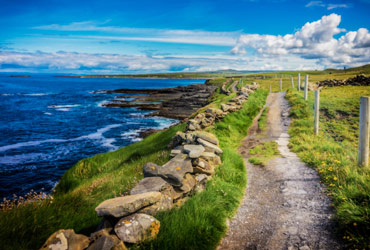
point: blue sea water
(48, 123)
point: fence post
(299, 82)
(291, 81)
(363, 145)
(317, 111)
(281, 85)
(306, 87)
(270, 88)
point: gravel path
(284, 206)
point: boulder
(122, 206)
(201, 180)
(209, 147)
(177, 140)
(188, 184)
(150, 184)
(102, 240)
(194, 151)
(165, 203)
(137, 228)
(206, 136)
(66, 240)
(193, 125)
(189, 138)
(212, 158)
(150, 169)
(203, 167)
(175, 152)
(173, 171)
(225, 107)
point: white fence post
(291, 81)
(363, 145)
(281, 85)
(306, 87)
(317, 111)
(299, 82)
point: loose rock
(210, 147)
(122, 206)
(150, 184)
(206, 136)
(194, 151)
(137, 228)
(66, 240)
(102, 240)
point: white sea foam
(63, 106)
(29, 144)
(102, 103)
(47, 113)
(37, 94)
(98, 135)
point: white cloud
(334, 6)
(315, 3)
(84, 63)
(329, 6)
(314, 40)
(144, 34)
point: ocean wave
(37, 94)
(22, 158)
(98, 135)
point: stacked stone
(223, 89)
(129, 219)
(359, 80)
(204, 120)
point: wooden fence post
(317, 111)
(363, 145)
(281, 85)
(270, 88)
(306, 87)
(299, 82)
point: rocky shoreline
(176, 103)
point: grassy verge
(201, 221)
(334, 154)
(81, 189)
(263, 153)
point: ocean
(48, 123)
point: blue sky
(162, 36)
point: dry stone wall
(359, 80)
(130, 219)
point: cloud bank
(316, 45)
(314, 40)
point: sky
(136, 36)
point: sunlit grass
(334, 154)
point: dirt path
(284, 206)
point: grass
(334, 154)
(201, 222)
(262, 121)
(104, 176)
(81, 189)
(263, 153)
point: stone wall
(359, 80)
(130, 219)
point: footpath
(285, 205)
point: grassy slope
(104, 176)
(334, 154)
(81, 189)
